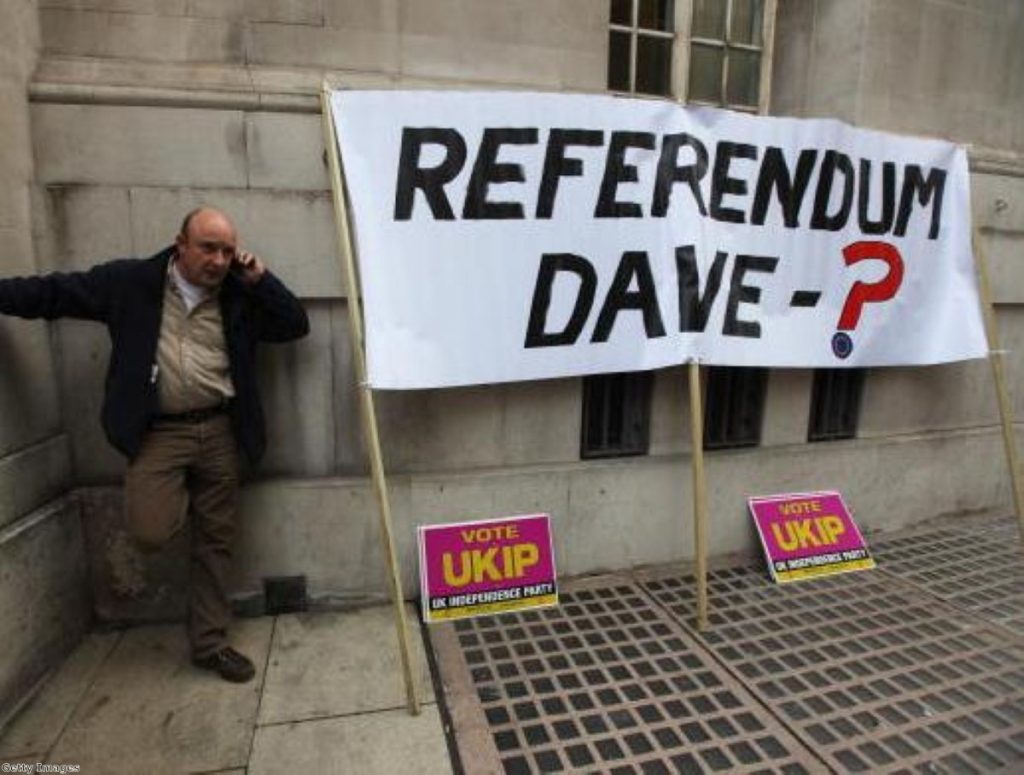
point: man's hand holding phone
(248, 267)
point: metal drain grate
(872, 678)
(607, 682)
(980, 568)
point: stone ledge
(97, 81)
(32, 476)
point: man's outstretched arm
(84, 295)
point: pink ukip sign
(808, 534)
(486, 567)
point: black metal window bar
(734, 406)
(616, 414)
(835, 404)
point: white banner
(516, 236)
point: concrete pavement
(327, 698)
(917, 666)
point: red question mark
(863, 293)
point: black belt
(193, 415)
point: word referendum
(745, 179)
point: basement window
(835, 404)
(616, 414)
(734, 406)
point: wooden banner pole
(368, 412)
(700, 508)
(995, 356)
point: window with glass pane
(835, 404)
(726, 47)
(640, 38)
(725, 53)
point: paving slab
(35, 730)
(370, 743)
(149, 710)
(338, 663)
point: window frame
(682, 50)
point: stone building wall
(44, 606)
(143, 109)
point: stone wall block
(670, 411)
(16, 152)
(286, 151)
(310, 12)
(293, 231)
(946, 70)
(296, 45)
(160, 38)
(441, 429)
(127, 585)
(141, 7)
(836, 53)
(927, 398)
(33, 476)
(217, 9)
(379, 17)
(139, 146)
(28, 402)
(497, 62)
(1004, 252)
(540, 422)
(791, 72)
(1010, 322)
(296, 381)
(44, 600)
(568, 24)
(88, 225)
(84, 353)
(327, 531)
(997, 202)
(19, 42)
(350, 458)
(787, 407)
(597, 535)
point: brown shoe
(229, 664)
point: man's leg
(214, 484)
(155, 497)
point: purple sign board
(808, 534)
(486, 567)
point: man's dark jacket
(127, 295)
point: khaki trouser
(188, 468)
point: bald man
(181, 398)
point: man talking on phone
(181, 399)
